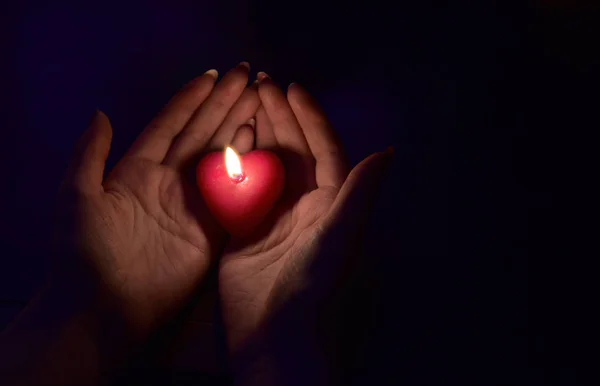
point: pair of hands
(137, 243)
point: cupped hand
(315, 225)
(139, 241)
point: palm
(270, 283)
(256, 273)
(144, 230)
(160, 231)
(250, 273)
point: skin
(153, 241)
(134, 245)
(262, 277)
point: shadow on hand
(187, 348)
(299, 180)
(317, 332)
(307, 331)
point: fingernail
(212, 72)
(260, 76)
(291, 85)
(251, 122)
(245, 64)
(254, 85)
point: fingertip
(101, 122)
(238, 72)
(243, 141)
(261, 76)
(97, 113)
(296, 94)
(373, 165)
(269, 85)
(90, 154)
(245, 65)
(202, 82)
(295, 97)
(293, 88)
(101, 115)
(297, 88)
(266, 88)
(212, 73)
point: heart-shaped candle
(240, 190)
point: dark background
(470, 95)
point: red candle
(240, 190)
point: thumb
(355, 199)
(86, 171)
(342, 229)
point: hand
(292, 258)
(142, 239)
(131, 247)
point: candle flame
(232, 163)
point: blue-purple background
(452, 88)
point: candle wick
(237, 178)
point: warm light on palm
(135, 246)
(144, 231)
(250, 273)
(150, 215)
(259, 273)
(149, 237)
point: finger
(331, 162)
(244, 109)
(355, 198)
(346, 221)
(265, 137)
(86, 170)
(243, 141)
(209, 116)
(285, 126)
(154, 142)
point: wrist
(60, 339)
(280, 355)
(90, 318)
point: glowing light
(233, 165)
